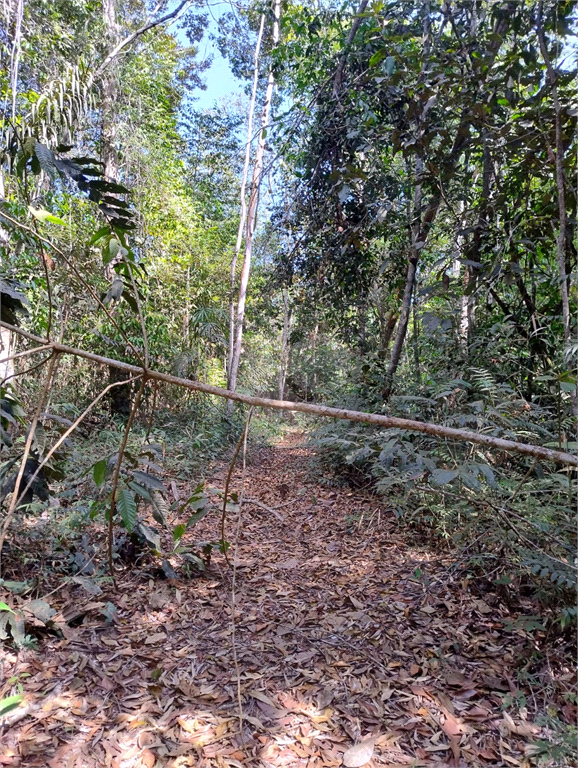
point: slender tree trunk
(387, 328)
(243, 216)
(285, 345)
(6, 340)
(313, 361)
(416, 344)
(432, 207)
(6, 349)
(464, 322)
(109, 97)
(187, 313)
(416, 246)
(559, 177)
(415, 225)
(252, 213)
(120, 397)
(338, 77)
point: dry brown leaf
(359, 754)
(156, 638)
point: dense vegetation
(408, 235)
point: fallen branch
(271, 510)
(381, 420)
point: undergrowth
(509, 520)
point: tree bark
(109, 98)
(120, 397)
(416, 245)
(559, 177)
(285, 346)
(338, 77)
(252, 213)
(243, 215)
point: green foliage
(9, 703)
(515, 515)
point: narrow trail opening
(344, 629)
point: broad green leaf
(195, 560)
(140, 490)
(149, 535)
(5, 607)
(193, 519)
(150, 481)
(160, 508)
(377, 57)
(110, 612)
(99, 472)
(113, 247)
(99, 234)
(443, 476)
(126, 506)
(168, 570)
(131, 301)
(179, 531)
(42, 215)
(390, 65)
(9, 703)
(18, 587)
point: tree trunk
(416, 245)
(109, 97)
(559, 177)
(338, 77)
(313, 361)
(387, 328)
(120, 397)
(243, 215)
(416, 344)
(464, 322)
(285, 345)
(6, 350)
(252, 213)
(432, 208)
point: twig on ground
(271, 510)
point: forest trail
(342, 629)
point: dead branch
(381, 420)
(271, 510)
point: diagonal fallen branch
(271, 510)
(381, 420)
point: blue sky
(219, 78)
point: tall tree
(252, 210)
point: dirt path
(341, 630)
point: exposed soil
(342, 630)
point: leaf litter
(336, 639)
